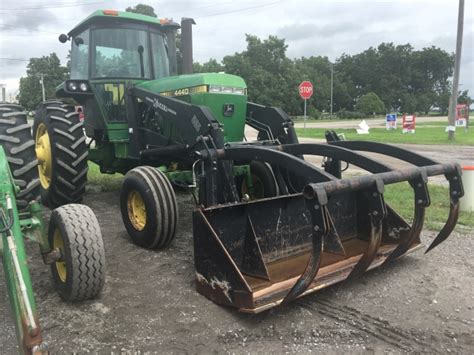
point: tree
(369, 104)
(30, 93)
(270, 76)
(142, 9)
(211, 66)
(464, 98)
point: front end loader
(268, 226)
(71, 243)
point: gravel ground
(421, 303)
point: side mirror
(62, 38)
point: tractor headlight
(214, 88)
(83, 87)
(72, 86)
(226, 90)
(78, 87)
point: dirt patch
(421, 303)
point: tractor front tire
(80, 273)
(149, 207)
(263, 180)
(19, 146)
(62, 152)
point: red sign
(408, 122)
(306, 90)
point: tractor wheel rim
(136, 210)
(43, 154)
(258, 188)
(58, 243)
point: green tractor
(268, 226)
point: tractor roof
(107, 15)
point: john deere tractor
(268, 226)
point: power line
(26, 28)
(53, 6)
(15, 59)
(239, 10)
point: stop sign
(306, 90)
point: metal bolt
(455, 178)
(420, 202)
(375, 213)
(419, 184)
(316, 207)
(316, 228)
(375, 194)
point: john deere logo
(228, 110)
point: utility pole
(454, 96)
(42, 86)
(4, 96)
(332, 85)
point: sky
(30, 28)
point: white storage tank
(467, 202)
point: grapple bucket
(259, 254)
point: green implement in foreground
(71, 243)
(13, 227)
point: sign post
(306, 91)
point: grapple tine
(448, 226)
(416, 228)
(321, 227)
(378, 211)
(456, 191)
(422, 200)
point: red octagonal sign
(306, 90)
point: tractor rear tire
(75, 231)
(19, 146)
(263, 179)
(62, 153)
(149, 207)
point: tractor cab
(109, 50)
(112, 46)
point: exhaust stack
(187, 44)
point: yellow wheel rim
(58, 243)
(136, 210)
(258, 188)
(43, 154)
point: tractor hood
(185, 84)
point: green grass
(107, 182)
(423, 135)
(400, 198)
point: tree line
(388, 78)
